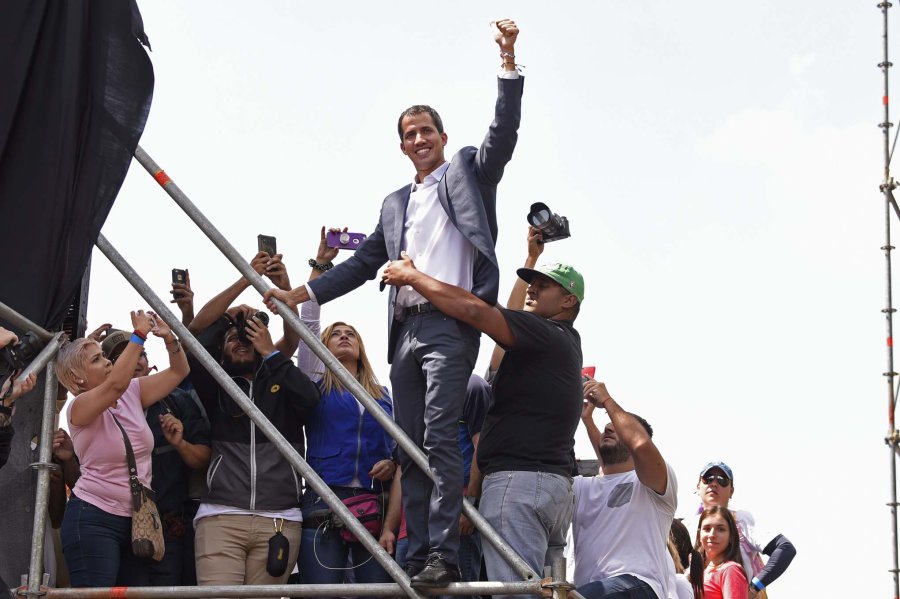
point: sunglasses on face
(722, 481)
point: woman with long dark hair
(718, 542)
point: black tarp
(74, 98)
(75, 90)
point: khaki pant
(232, 549)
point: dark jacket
(246, 470)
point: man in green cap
(526, 456)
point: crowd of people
(233, 509)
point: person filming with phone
(109, 406)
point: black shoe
(437, 572)
(412, 569)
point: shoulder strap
(137, 489)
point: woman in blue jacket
(346, 447)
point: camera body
(552, 226)
(240, 324)
(15, 357)
(344, 241)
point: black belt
(419, 309)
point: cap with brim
(569, 278)
(721, 466)
(114, 343)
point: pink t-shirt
(104, 481)
(728, 581)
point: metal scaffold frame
(531, 582)
(887, 189)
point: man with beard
(622, 517)
(249, 485)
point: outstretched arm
(451, 300)
(217, 306)
(648, 462)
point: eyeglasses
(722, 481)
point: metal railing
(531, 583)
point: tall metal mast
(887, 189)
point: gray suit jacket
(468, 193)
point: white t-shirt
(683, 588)
(622, 527)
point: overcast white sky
(719, 164)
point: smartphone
(344, 241)
(266, 243)
(179, 276)
(587, 373)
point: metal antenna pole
(887, 187)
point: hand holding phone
(343, 240)
(266, 243)
(587, 373)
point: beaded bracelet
(320, 267)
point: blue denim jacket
(342, 443)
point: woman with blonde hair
(96, 529)
(346, 447)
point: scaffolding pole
(294, 590)
(267, 428)
(43, 360)
(887, 187)
(332, 363)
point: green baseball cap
(570, 279)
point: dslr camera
(15, 357)
(551, 225)
(240, 324)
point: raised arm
(217, 306)
(87, 406)
(497, 148)
(648, 462)
(593, 431)
(157, 386)
(516, 299)
(451, 300)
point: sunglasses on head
(722, 481)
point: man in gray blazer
(447, 221)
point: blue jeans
(97, 547)
(400, 551)
(625, 586)
(532, 511)
(324, 554)
(470, 559)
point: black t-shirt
(171, 475)
(531, 422)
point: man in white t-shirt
(622, 517)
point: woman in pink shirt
(719, 544)
(96, 529)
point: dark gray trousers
(433, 360)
